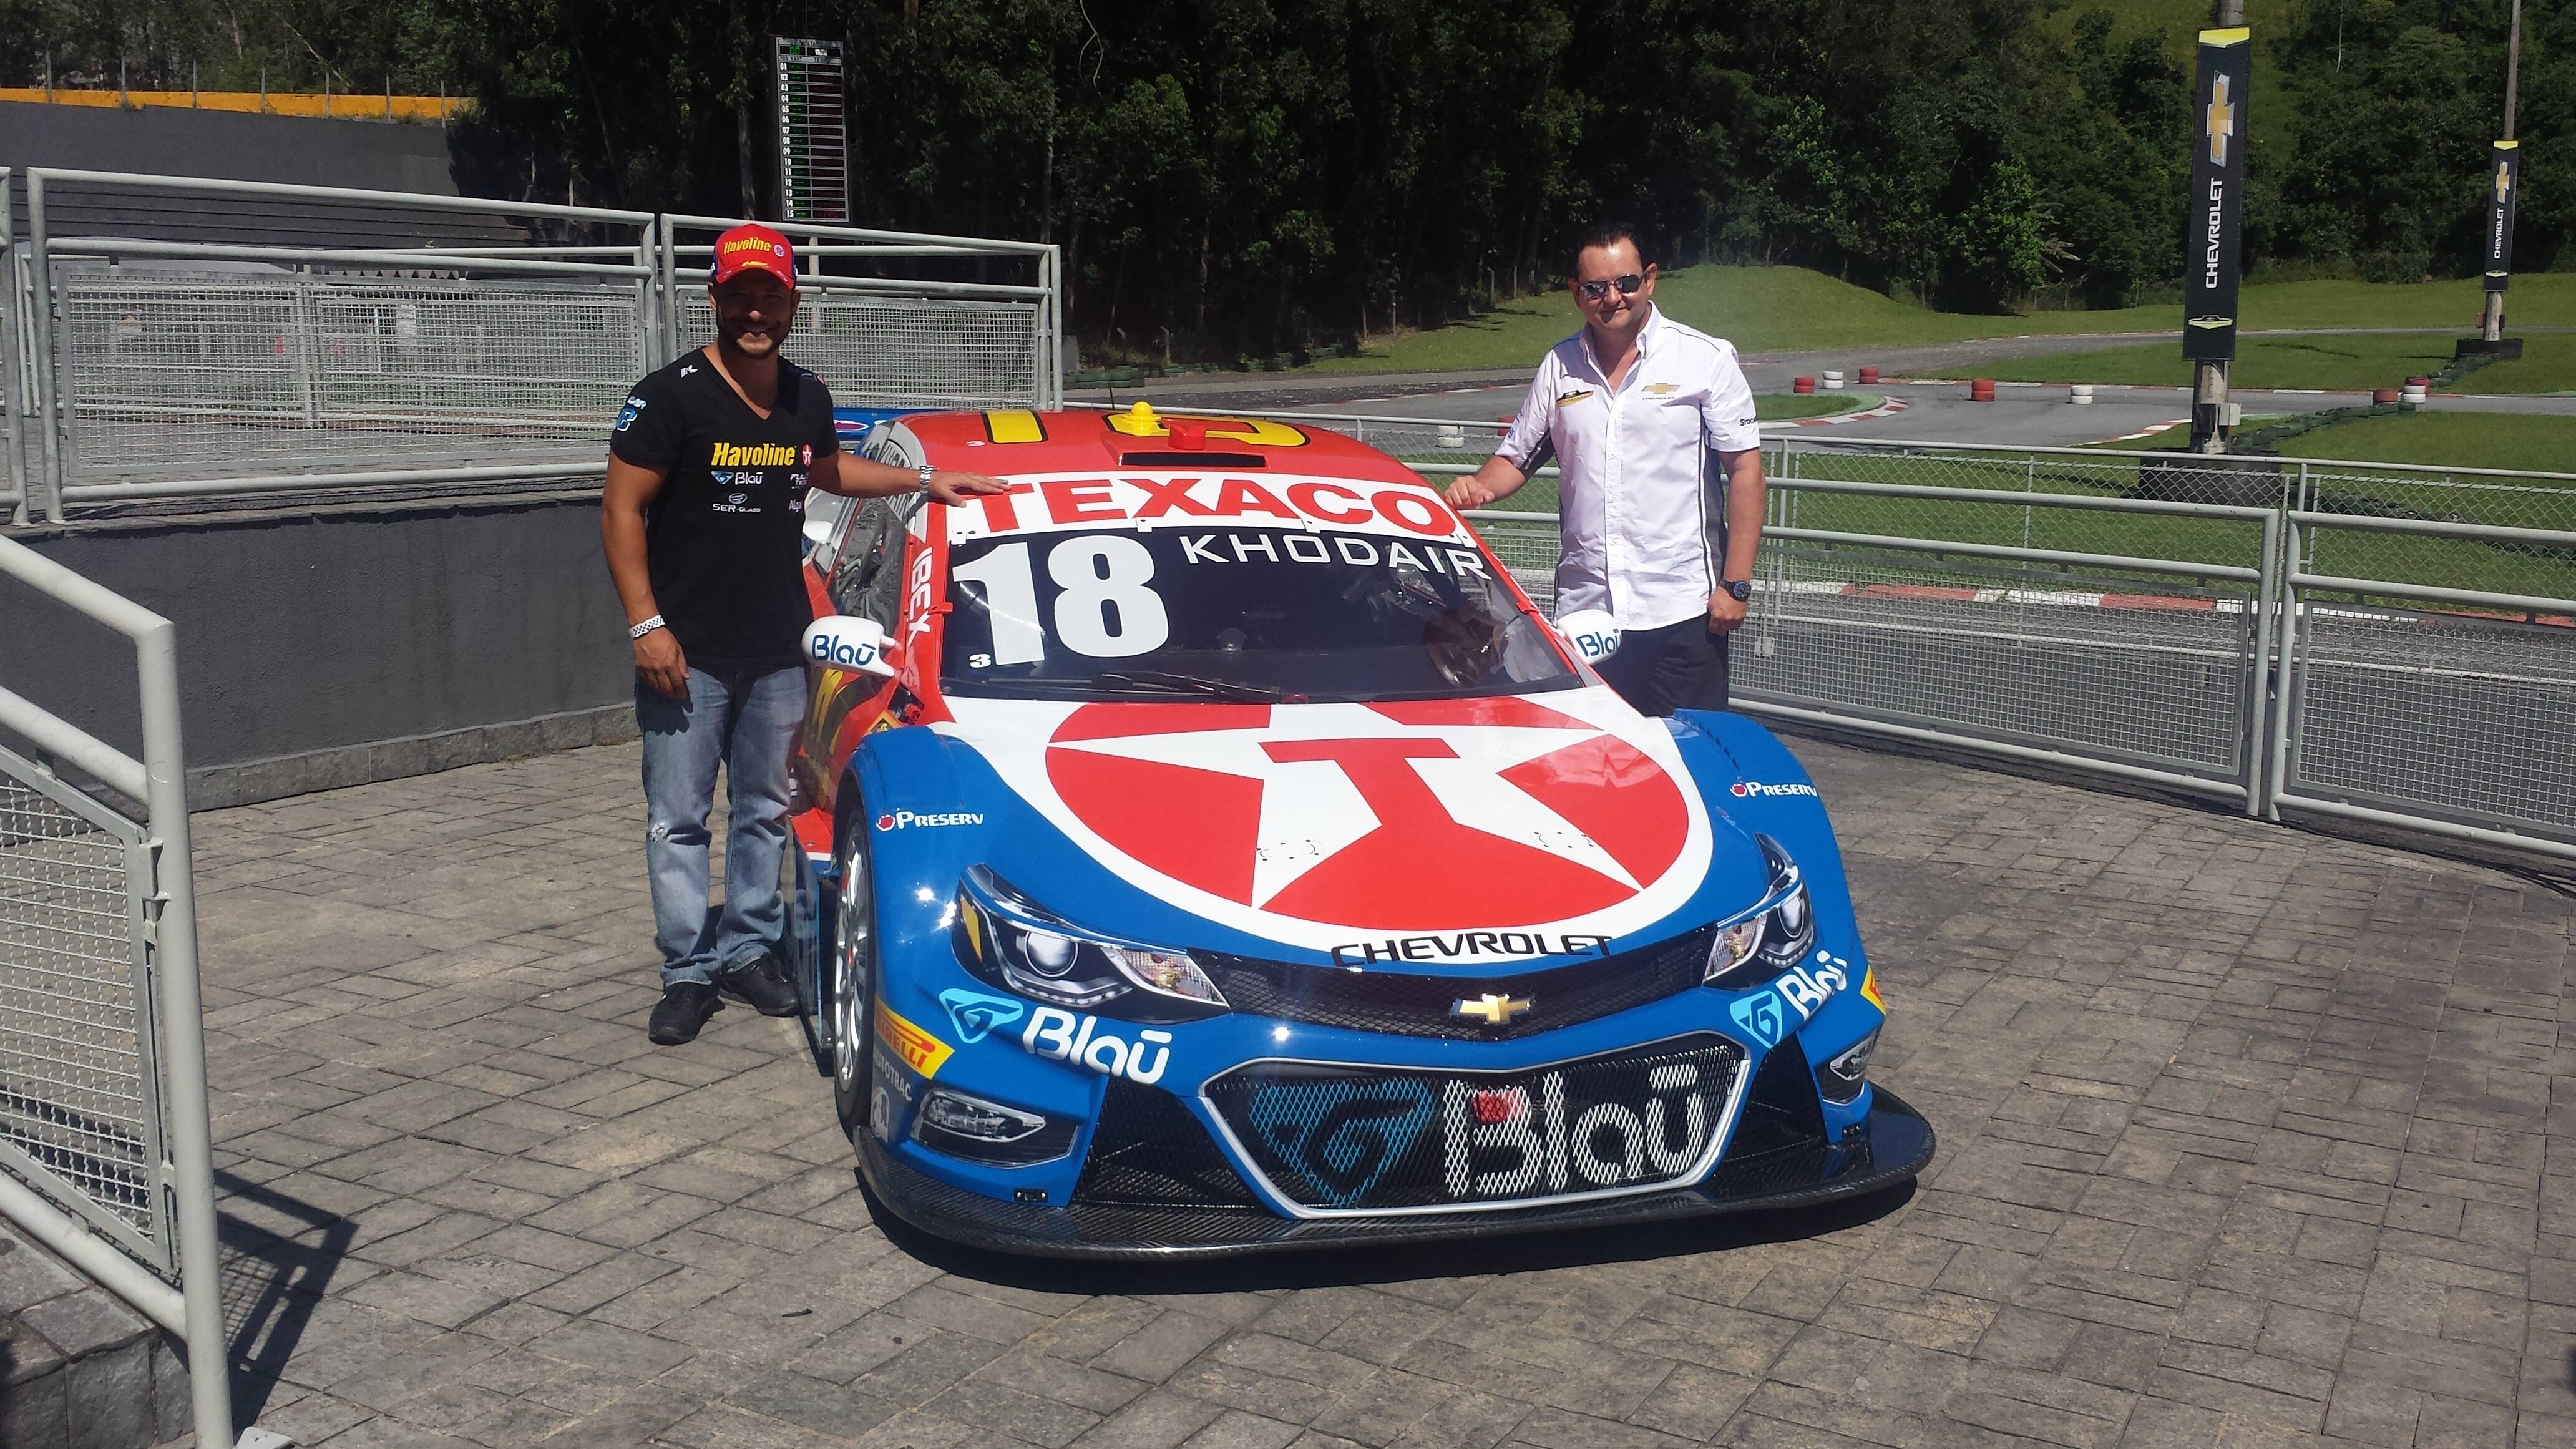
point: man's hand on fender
(1725, 612)
(953, 487)
(659, 660)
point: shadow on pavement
(272, 1283)
(1347, 1267)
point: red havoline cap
(752, 248)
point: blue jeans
(747, 719)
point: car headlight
(1012, 942)
(1842, 1078)
(1774, 934)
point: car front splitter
(1894, 1145)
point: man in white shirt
(1634, 407)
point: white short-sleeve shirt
(1635, 485)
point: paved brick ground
(2249, 1137)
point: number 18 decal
(1107, 608)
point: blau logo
(1760, 1016)
(1342, 1136)
(975, 1014)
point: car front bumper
(1892, 1144)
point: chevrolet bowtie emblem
(2222, 121)
(1491, 1009)
(2504, 184)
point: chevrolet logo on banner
(2221, 89)
(2222, 121)
(2499, 239)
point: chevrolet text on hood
(1233, 852)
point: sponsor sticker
(1775, 1011)
(976, 1013)
(1869, 991)
(1059, 1036)
(918, 819)
(1045, 504)
(1469, 945)
(1743, 789)
(921, 1051)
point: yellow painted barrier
(346, 106)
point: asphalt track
(2022, 415)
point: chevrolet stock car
(1207, 847)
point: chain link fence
(908, 352)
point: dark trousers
(1679, 666)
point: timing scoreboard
(813, 132)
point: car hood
(1469, 830)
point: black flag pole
(2212, 250)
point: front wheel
(853, 968)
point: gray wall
(333, 647)
(172, 141)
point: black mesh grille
(1148, 1151)
(1368, 999)
(1371, 1139)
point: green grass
(2365, 360)
(2456, 440)
(1769, 309)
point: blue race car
(1210, 849)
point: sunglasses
(1595, 291)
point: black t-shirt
(725, 538)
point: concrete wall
(327, 648)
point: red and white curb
(1887, 409)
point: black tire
(849, 978)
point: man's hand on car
(1470, 492)
(659, 660)
(951, 487)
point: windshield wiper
(1193, 684)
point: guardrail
(2386, 643)
(488, 348)
(105, 1151)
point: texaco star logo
(1425, 816)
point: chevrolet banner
(2217, 196)
(2501, 195)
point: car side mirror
(1591, 633)
(845, 642)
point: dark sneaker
(684, 1007)
(762, 985)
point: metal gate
(105, 1154)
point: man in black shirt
(703, 521)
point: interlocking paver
(2250, 1137)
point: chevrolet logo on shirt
(758, 455)
(1661, 389)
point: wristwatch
(925, 477)
(1741, 590)
(647, 627)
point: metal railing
(2386, 643)
(489, 348)
(105, 1151)
(896, 341)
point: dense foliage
(1247, 175)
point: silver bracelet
(647, 627)
(925, 477)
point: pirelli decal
(1014, 425)
(921, 1051)
(758, 455)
